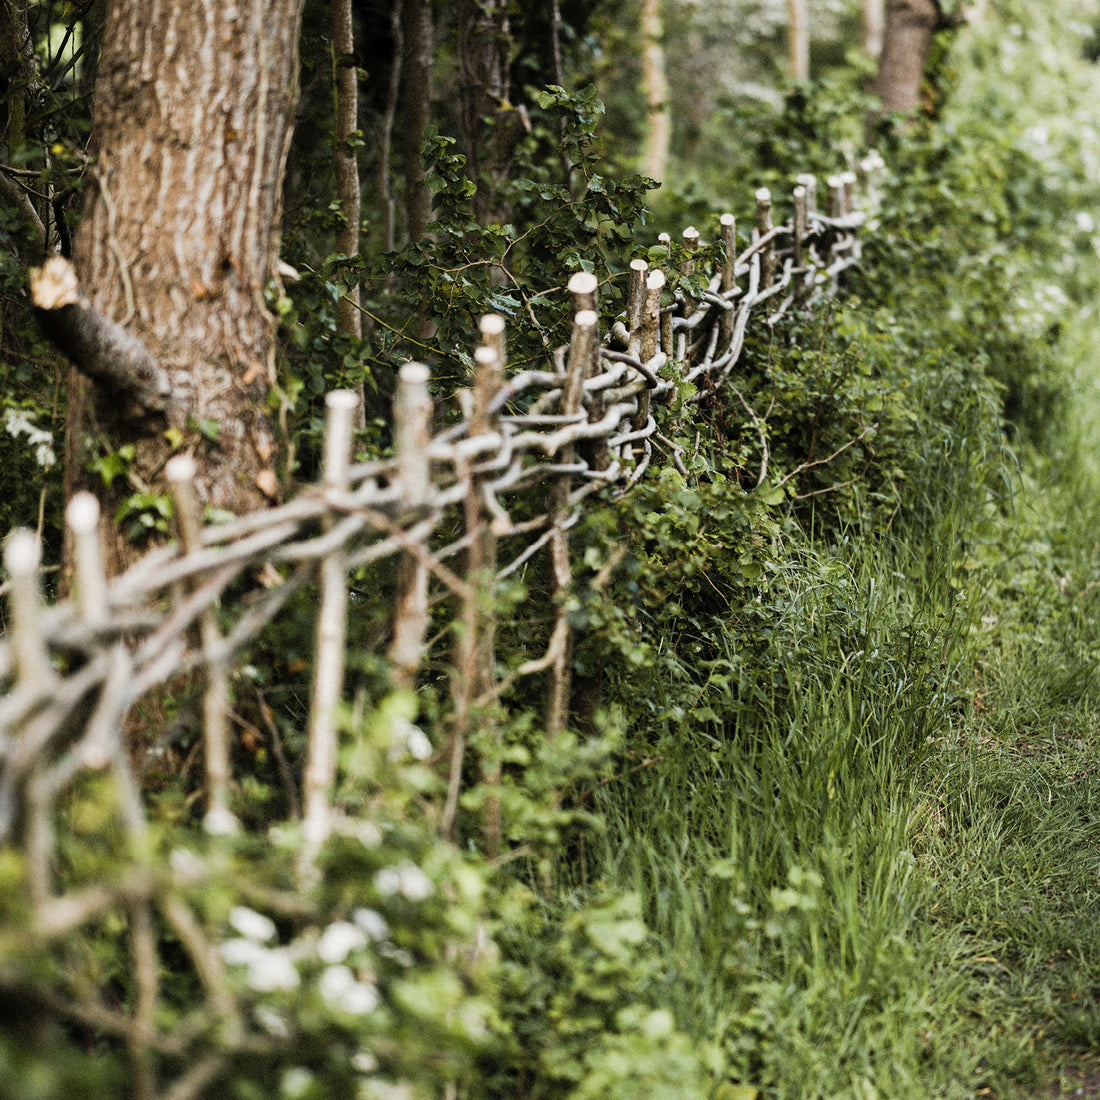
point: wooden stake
(328, 661)
(22, 557)
(219, 820)
(412, 415)
(763, 228)
(82, 516)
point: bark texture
(910, 25)
(416, 101)
(345, 78)
(180, 234)
(492, 126)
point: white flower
(20, 422)
(342, 990)
(338, 941)
(274, 973)
(242, 952)
(388, 881)
(363, 1061)
(368, 834)
(409, 739)
(252, 925)
(372, 922)
(185, 863)
(220, 822)
(415, 885)
(296, 1082)
(406, 879)
(270, 970)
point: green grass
(873, 868)
(865, 831)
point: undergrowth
(825, 821)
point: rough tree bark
(346, 80)
(192, 119)
(492, 126)
(19, 83)
(910, 25)
(416, 102)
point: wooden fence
(443, 507)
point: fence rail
(445, 508)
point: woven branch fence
(442, 507)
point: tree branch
(11, 194)
(99, 347)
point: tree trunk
(910, 25)
(874, 27)
(488, 118)
(798, 38)
(658, 137)
(192, 118)
(416, 103)
(19, 85)
(345, 78)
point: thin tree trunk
(559, 80)
(658, 136)
(346, 82)
(798, 38)
(389, 116)
(910, 25)
(416, 100)
(974, 11)
(180, 235)
(484, 37)
(874, 26)
(21, 83)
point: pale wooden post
(90, 583)
(651, 329)
(475, 644)
(848, 190)
(652, 316)
(412, 414)
(492, 334)
(635, 296)
(180, 472)
(22, 557)
(801, 221)
(583, 286)
(584, 354)
(836, 197)
(728, 224)
(870, 170)
(328, 661)
(809, 181)
(763, 228)
(584, 350)
(690, 237)
(82, 516)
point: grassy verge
(1007, 834)
(867, 843)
